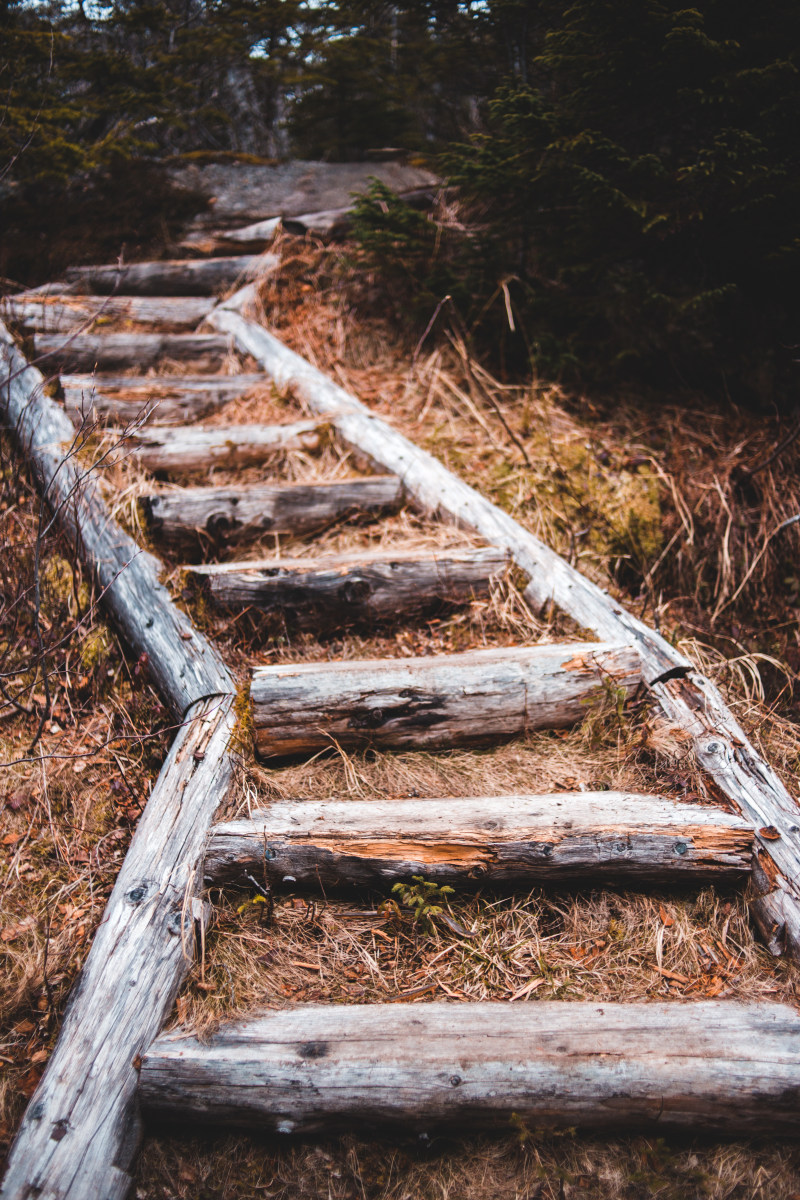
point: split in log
(718, 1066)
(178, 277)
(194, 448)
(68, 314)
(471, 699)
(688, 700)
(169, 399)
(221, 514)
(115, 351)
(336, 592)
(474, 841)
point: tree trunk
(471, 699)
(170, 399)
(68, 314)
(717, 1065)
(220, 514)
(333, 593)
(116, 351)
(587, 837)
(179, 277)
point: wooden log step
(174, 399)
(349, 589)
(716, 1066)
(591, 836)
(115, 351)
(471, 699)
(223, 513)
(195, 448)
(247, 238)
(176, 277)
(66, 314)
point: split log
(169, 399)
(68, 314)
(590, 837)
(688, 700)
(377, 585)
(718, 1066)
(222, 241)
(177, 277)
(471, 699)
(194, 448)
(223, 513)
(115, 351)
(327, 225)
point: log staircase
(715, 1065)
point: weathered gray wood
(194, 448)
(115, 351)
(716, 1065)
(182, 664)
(349, 589)
(477, 840)
(81, 1129)
(67, 314)
(223, 513)
(170, 399)
(469, 699)
(176, 277)
(328, 224)
(689, 701)
(224, 241)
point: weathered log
(327, 225)
(82, 1127)
(177, 277)
(688, 700)
(222, 241)
(716, 1065)
(115, 351)
(221, 514)
(469, 841)
(470, 699)
(194, 448)
(336, 592)
(170, 399)
(67, 314)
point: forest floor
(652, 501)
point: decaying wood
(195, 448)
(224, 513)
(182, 664)
(469, 699)
(68, 314)
(223, 241)
(82, 1128)
(587, 836)
(313, 1069)
(177, 277)
(349, 589)
(327, 225)
(690, 702)
(115, 351)
(169, 399)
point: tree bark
(586, 837)
(221, 514)
(170, 399)
(68, 314)
(381, 585)
(470, 699)
(178, 277)
(724, 1067)
(116, 351)
(193, 448)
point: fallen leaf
(666, 919)
(11, 839)
(39, 1056)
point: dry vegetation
(655, 506)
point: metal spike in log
(176, 277)
(194, 448)
(471, 699)
(336, 592)
(717, 1065)
(170, 399)
(471, 841)
(115, 351)
(224, 513)
(68, 314)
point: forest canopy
(626, 170)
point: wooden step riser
(472, 699)
(69, 314)
(728, 1068)
(212, 515)
(583, 837)
(177, 277)
(366, 589)
(169, 400)
(191, 448)
(116, 351)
